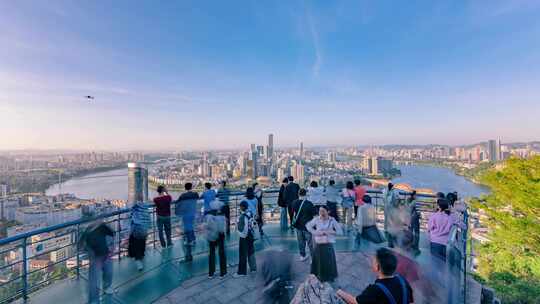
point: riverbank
(471, 174)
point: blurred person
(186, 208)
(276, 275)
(283, 204)
(140, 223)
(163, 210)
(359, 192)
(303, 214)
(246, 248)
(96, 239)
(366, 222)
(414, 226)
(251, 200)
(391, 221)
(439, 226)
(290, 195)
(348, 198)
(315, 195)
(324, 229)
(258, 192)
(332, 194)
(215, 234)
(224, 195)
(389, 288)
(208, 196)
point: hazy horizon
(206, 75)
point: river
(115, 187)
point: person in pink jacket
(439, 226)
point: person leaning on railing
(348, 198)
(96, 239)
(439, 227)
(140, 223)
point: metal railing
(26, 263)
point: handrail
(28, 234)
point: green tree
(510, 262)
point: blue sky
(222, 74)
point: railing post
(25, 270)
(78, 238)
(154, 225)
(119, 229)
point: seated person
(388, 288)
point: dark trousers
(220, 243)
(164, 225)
(246, 255)
(355, 210)
(291, 213)
(136, 247)
(415, 230)
(332, 210)
(438, 250)
(227, 214)
(391, 239)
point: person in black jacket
(303, 213)
(290, 195)
(283, 204)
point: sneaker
(210, 276)
(108, 291)
(253, 271)
(237, 275)
(222, 276)
(140, 265)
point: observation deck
(166, 278)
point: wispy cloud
(314, 34)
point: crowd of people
(312, 213)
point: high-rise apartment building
(137, 182)
(493, 150)
(270, 148)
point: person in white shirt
(315, 195)
(324, 229)
(333, 196)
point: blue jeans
(189, 228)
(283, 221)
(304, 237)
(100, 266)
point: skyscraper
(270, 149)
(301, 150)
(137, 183)
(493, 150)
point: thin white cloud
(314, 33)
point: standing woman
(282, 203)
(414, 226)
(348, 198)
(439, 226)
(324, 229)
(260, 207)
(140, 222)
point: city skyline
(218, 76)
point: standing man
(186, 207)
(163, 210)
(223, 194)
(304, 211)
(283, 204)
(291, 194)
